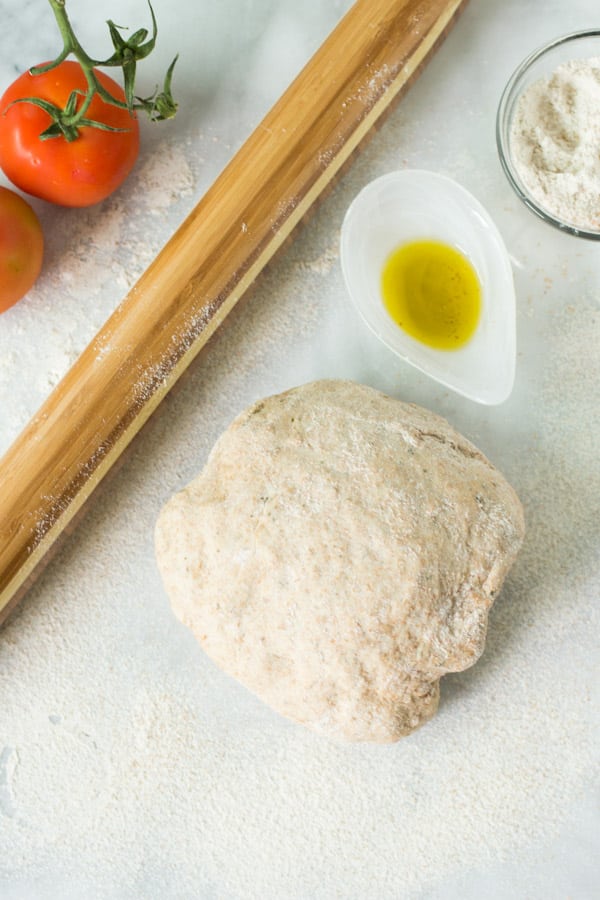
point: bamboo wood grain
(121, 377)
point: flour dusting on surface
(160, 743)
(129, 766)
(93, 257)
(165, 177)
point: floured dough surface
(339, 553)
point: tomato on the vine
(78, 172)
(21, 248)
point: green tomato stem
(72, 46)
(71, 43)
(126, 54)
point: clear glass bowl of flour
(548, 133)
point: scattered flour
(116, 768)
(164, 178)
(324, 263)
(130, 768)
(130, 764)
(93, 257)
(555, 140)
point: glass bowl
(540, 64)
(414, 204)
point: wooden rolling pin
(121, 377)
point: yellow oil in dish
(433, 293)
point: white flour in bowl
(555, 141)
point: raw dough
(338, 554)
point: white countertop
(129, 766)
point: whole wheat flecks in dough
(338, 554)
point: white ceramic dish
(411, 205)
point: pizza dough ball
(339, 553)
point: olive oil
(433, 293)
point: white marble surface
(129, 766)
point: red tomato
(21, 248)
(70, 173)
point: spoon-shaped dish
(419, 205)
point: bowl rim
(507, 100)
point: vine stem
(125, 56)
(70, 40)
(72, 45)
